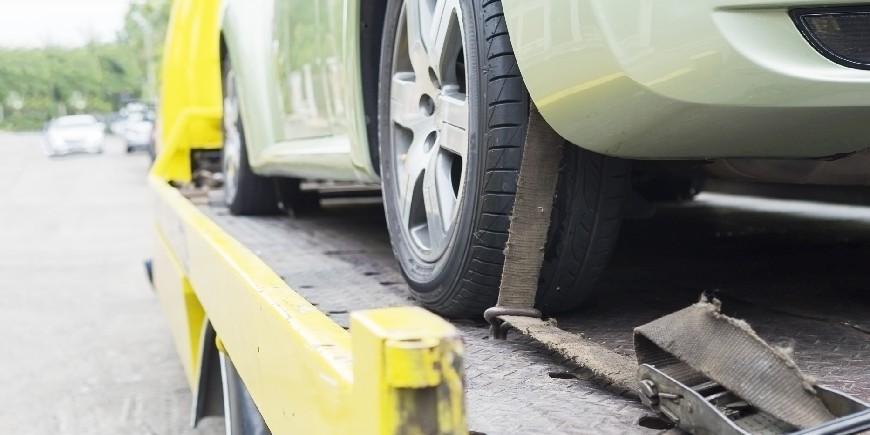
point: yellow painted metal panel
(408, 372)
(181, 307)
(191, 99)
(294, 360)
(300, 367)
(399, 372)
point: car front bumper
(59, 147)
(669, 79)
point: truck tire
(453, 260)
(241, 416)
(245, 192)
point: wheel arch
(371, 30)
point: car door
(341, 46)
(334, 41)
(299, 63)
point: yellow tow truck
(304, 325)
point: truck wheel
(241, 416)
(452, 113)
(246, 193)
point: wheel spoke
(446, 196)
(229, 115)
(405, 97)
(416, 46)
(453, 117)
(413, 17)
(410, 167)
(444, 40)
(232, 143)
(231, 103)
(433, 200)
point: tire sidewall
(432, 282)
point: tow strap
(704, 371)
(529, 222)
(707, 371)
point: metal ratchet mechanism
(709, 408)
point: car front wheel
(452, 115)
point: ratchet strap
(704, 371)
(524, 256)
(710, 373)
(529, 223)
(698, 344)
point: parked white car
(138, 130)
(74, 133)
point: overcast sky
(36, 23)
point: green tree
(39, 84)
(144, 32)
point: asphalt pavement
(85, 347)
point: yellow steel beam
(173, 161)
(399, 371)
(408, 372)
(191, 102)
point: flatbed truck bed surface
(797, 278)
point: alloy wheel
(429, 121)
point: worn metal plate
(798, 277)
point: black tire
(465, 280)
(252, 194)
(241, 416)
(584, 227)
(677, 189)
(129, 149)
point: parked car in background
(117, 123)
(152, 144)
(139, 130)
(74, 133)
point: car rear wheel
(452, 113)
(246, 193)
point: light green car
(430, 98)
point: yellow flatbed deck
(338, 259)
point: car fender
(246, 35)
